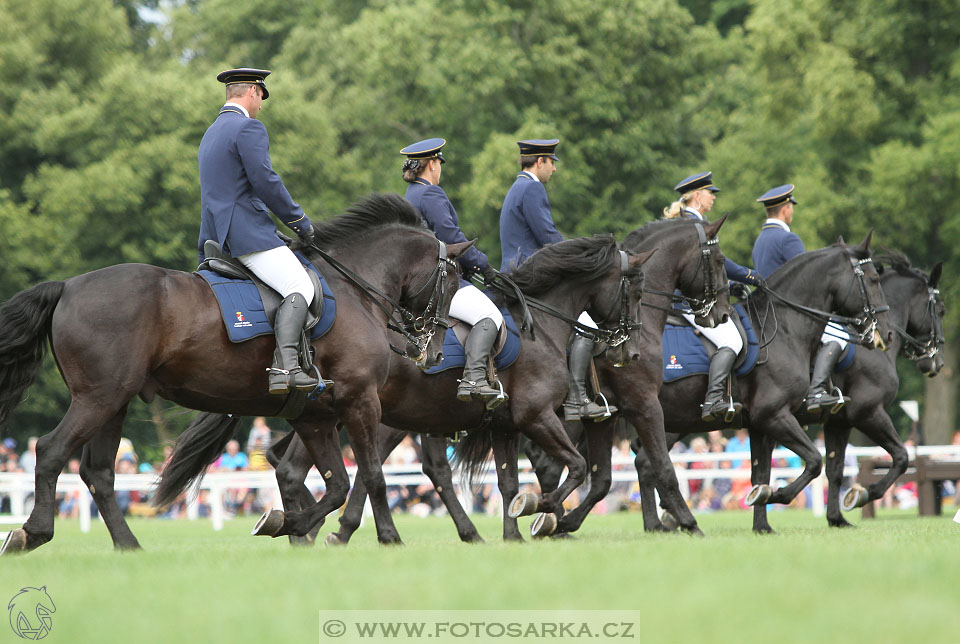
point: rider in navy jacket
(237, 187)
(775, 246)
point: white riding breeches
(723, 335)
(835, 333)
(280, 269)
(471, 305)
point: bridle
(918, 350)
(417, 329)
(698, 307)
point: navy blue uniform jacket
(238, 185)
(438, 212)
(526, 225)
(774, 248)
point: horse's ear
(840, 240)
(863, 250)
(456, 250)
(635, 260)
(713, 227)
(935, 275)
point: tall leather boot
(578, 406)
(288, 327)
(714, 404)
(474, 384)
(818, 397)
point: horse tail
(472, 453)
(27, 320)
(198, 446)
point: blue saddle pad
(242, 308)
(455, 358)
(684, 355)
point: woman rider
(422, 171)
(697, 194)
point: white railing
(19, 486)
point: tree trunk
(939, 411)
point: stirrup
(502, 397)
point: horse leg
(548, 471)
(879, 428)
(835, 439)
(600, 453)
(291, 471)
(82, 421)
(648, 487)
(506, 448)
(437, 468)
(353, 513)
(647, 420)
(761, 447)
(323, 444)
(787, 431)
(547, 430)
(97, 472)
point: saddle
(710, 347)
(231, 267)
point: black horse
(580, 274)
(134, 329)
(837, 278)
(871, 381)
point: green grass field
(893, 579)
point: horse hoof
(856, 497)
(333, 540)
(16, 542)
(759, 495)
(523, 505)
(269, 524)
(669, 521)
(544, 525)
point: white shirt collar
(778, 222)
(239, 107)
(531, 175)
(694, 212)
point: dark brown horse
(688, 259)
(567, 277)
(871, 381)
(134, 329)
(829, 280)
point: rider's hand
(489, 273)
(307, 236)
(739, 290)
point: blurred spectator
(125, 448)
(69, 502)
(232, 459)
(348, 458)
(28, 460)
(125, 498)
(258, 442)
(739, 443)
(698, 445)
(717, 442)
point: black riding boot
(477, 347)
(714, 404)
(288, 327)
(818, 397)
(578, 406)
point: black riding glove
(489, 273)
(306, 237)
(739, 290)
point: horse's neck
(662, 273)
(376, 261)
(569, 299)
(898, 298)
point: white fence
(19, 486)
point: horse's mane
(899, 262)
(574, 260)
(654, 227)
(370, 213)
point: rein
(423, 326)
(710, 290)
(917, 350)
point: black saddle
(227, 266)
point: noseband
(628, 319)
(917, 350)
(867, 320)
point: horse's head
(427, 293)
(703, 279)
(917, 297)
(622, 314)
(857, 293)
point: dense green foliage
(855, 103)
(889, 580)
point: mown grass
(892, 579)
